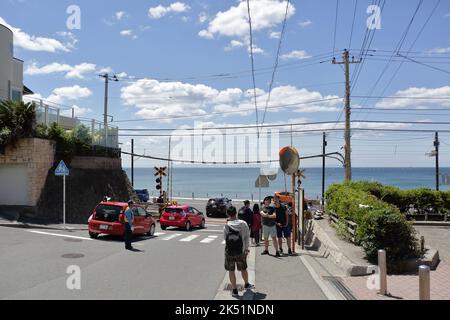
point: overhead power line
(252, 60)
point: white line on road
(172, 236)
(209, 239)
(223, 242)
(159, 234)
(206, 230)
(58, 235)
(190, 238)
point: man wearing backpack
(237, 241)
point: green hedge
(380, 226)
(422, 199)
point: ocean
(239, 183)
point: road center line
(58, 235)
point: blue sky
(184, 41)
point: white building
(11, 69)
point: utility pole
(324, 144)
(132, 163)
(436, 150)
(346, 62)
(107, 77)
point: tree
(17, 120)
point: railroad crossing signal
(160, 171)
(159, 184)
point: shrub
(82, 134)
(380, 224)
(17, 120)
(387, 229)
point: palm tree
(17, 120)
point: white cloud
(275, 35)
(304, 24)
(428, 97)
(202, 17)
(60, 95)
(71, 72)
(296, 54)
(34, 43)
(234, 44)
(160, 11)
(120, 15)
(440, 50)
(128, 33)
(78, 111)
(155, 99)
(70, 38)
(266, 14)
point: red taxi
(108, 218)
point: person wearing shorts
(269, 226)
(237, 242)
(282, 222)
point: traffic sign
(61, 169)
(160, 171)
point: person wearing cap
(246, 214)
(129, 225)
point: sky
(184, 64)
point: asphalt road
(33, 265)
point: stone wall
(96, 163)
(38, 155)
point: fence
(351, 226)
(46, 114)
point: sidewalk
(284, 278)
(17, 224)
(405, 287)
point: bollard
(422, 244)
(424, 282)
(383, 272)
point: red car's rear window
(174, 210)
(108, 209)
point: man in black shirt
(246, 214)
(283, 228)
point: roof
(27, 90)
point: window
(142, 212)
(16, 95)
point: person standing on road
(129, 225)
(283, 228)
(268, 225)
(237, 241)
(256, 223)
(246, 214)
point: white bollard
(383, 271)
(424, 282)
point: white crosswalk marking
(209, 239)
(159, 234)
(172, 236)
(190, 238)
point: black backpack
(234, 243)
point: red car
(108, 218)
(182, 217)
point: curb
(37, 226)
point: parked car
(142, 194)
(108, 218)
(182, 217)
(217, 207)
(285, 197)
